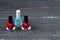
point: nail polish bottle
(18, 19)
(10, 24)
(26, 25)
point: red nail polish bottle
(10, 24)
(26, 25)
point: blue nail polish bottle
(18, 19)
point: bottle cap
(26, 19)
(18, 13)
(10, 19)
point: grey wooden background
(44, 16)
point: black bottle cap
(10, 19)
(26, 19)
